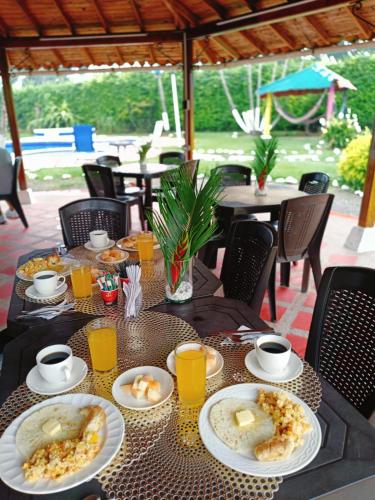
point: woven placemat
(21, 287)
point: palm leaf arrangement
(265, 159)
(184, 222)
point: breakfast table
(162, 455)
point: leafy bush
(338, 132)
(353, 161)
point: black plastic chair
(100, 182)
(300, 232)
(314, 183)
(172, 158)
(9, 182)
(192, 166)
(249, 257)
(80, 217)
(234, 175)
(341, 344)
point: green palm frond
(265, 155)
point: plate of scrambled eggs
(60, 443)
(260, 430)
(51, 262)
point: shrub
(353, 161)
(338, 132)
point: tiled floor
(294, 308)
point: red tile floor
(294, 308)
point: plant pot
(182, 290)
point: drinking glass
(191, 373)
(145, 246)
(102, 340)
(80, 275)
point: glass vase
(260, 188)
(179, 287)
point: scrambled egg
(60, 458)
(41, 264)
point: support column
(362, 237)
(187, 48)
(9, 104)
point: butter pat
(244, 417)
(51, 427)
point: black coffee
(273, 347)
(54, 357)
(45, 276)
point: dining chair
(80, 217)
(172, 158)
(191, 167)
(314, 183)
(100, 182)
(300, 231)
(233, 175)
(341, 342)
(9, 181)
(248, 260)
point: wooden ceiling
(52, 34)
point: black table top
(347, 455)
(148, 170)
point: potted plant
(264, 162)
(183, 225)
(142, 151)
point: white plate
(298, 459)
(171, 364)
(132, 403)
(11, 460)
(66, 261)
(291, 372)
(131, 249)
(89, 246)
(32, 293)
(126, 256)
(36, 383)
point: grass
(213, 141)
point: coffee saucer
(32, 293)
(36, 383)
(89, 246)
(293, 369)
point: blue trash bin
(83, 138)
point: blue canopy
(309, 80)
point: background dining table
(345, 462)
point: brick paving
(294, 308)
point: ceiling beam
(4, 28)
(318, 28)
(118, 52)
(208, 51)
(363, 28)
(99, 14)
(64, 16)
(89, 55)
(178, 20)
(58, 57)
(29, 15)
(227, 46)
(181, 10)
(257, 44)
(152, 55)
(283, 36)
(91, 40)
(273, 14)
(217, 8)
(137, 14)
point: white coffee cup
(273, 362)
(99, 238)
(48, 282)
(55, 363)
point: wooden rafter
(217, 8)
(220, 40)
(4, 28)
(137, 14)
(99, 13)
(58, 56)
(153, 57)
(252, 4)
(318, 28)
(364, 29)
(119, 53)
(178, 20)
(180, 10)
(64, 16)
(208, 51)
(30, 16)
(89, 55)
(257, 44)
(283, 36)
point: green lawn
(214, 141)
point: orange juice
(145, 246)
(191, 373)
(102, 339)
(81, 281)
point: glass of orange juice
(145, 246)
(80, 274)
(102, 340)
(191, 373)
